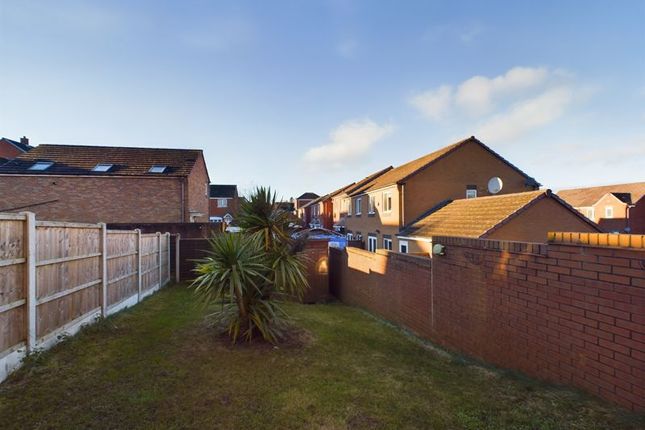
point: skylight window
(157, 169)
(102, 167)
(41, 165)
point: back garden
(159, 365)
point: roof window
(41, 165)
(157, 168)
(102, 167)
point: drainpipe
(402, 198)
(628, 227)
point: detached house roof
(308, 196)
(223, 191)
(581, 197)
(21, 146)
(479, 216)
(400, 174)
(122, 161)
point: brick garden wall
(565, 313)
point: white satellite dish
(495, 185)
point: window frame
(371, 205)
(387, 243)
(372, 243)
(387, 208)
(158, 168)
(403, 243)
(349, 207)
(220, 200)
(470, 192)
(358, 203)
(609, 212)
(102, 167)
(41, 166)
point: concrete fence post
(159, 255)
(168, 257)
(177, 242)
(103, 268)
(139, 275)
(30, 277)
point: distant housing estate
(616, 208)
(378, 207)
(107, 184)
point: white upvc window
(403, 246)
(387, 243)
(372, 205)
(222, 203)
(157, 168)
(350, 236)
(387, 201)
(357, 205)
(371, 243)
(102, 167)
(471, 193)
(609, 212)
(348, 203)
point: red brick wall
(568, 314)
(397, 286)
(94, 199)
(197, 191)
(8, 151)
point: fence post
(30, 277)
(159, 252)
(139, 276)
(103, 268)
(168, 256)
(177, 241)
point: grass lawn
(158, 366)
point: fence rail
(57, 276)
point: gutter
(183, 200)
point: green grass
(158, 366)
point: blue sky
(306, 95)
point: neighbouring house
(10, 149)
(524, 217)
(224, 203)
(302, 201)
(378, 208)
(319, 213)
(615, 208)
(107, 184)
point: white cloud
(434, 104)
(348, 141)
(527, 115)
(477, 94)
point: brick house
(302, 212)
(320, 212)
(107, 184)
(10, 149)
(380, 207)
(522, 217)
(616, 208)
(224, 202)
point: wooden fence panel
(149, 263)
(13, 296)
(57, 276)
(68, 274)
(122, 267)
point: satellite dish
(495, 185)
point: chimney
(24, 140)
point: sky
(313, 95)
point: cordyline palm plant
(246, 273)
